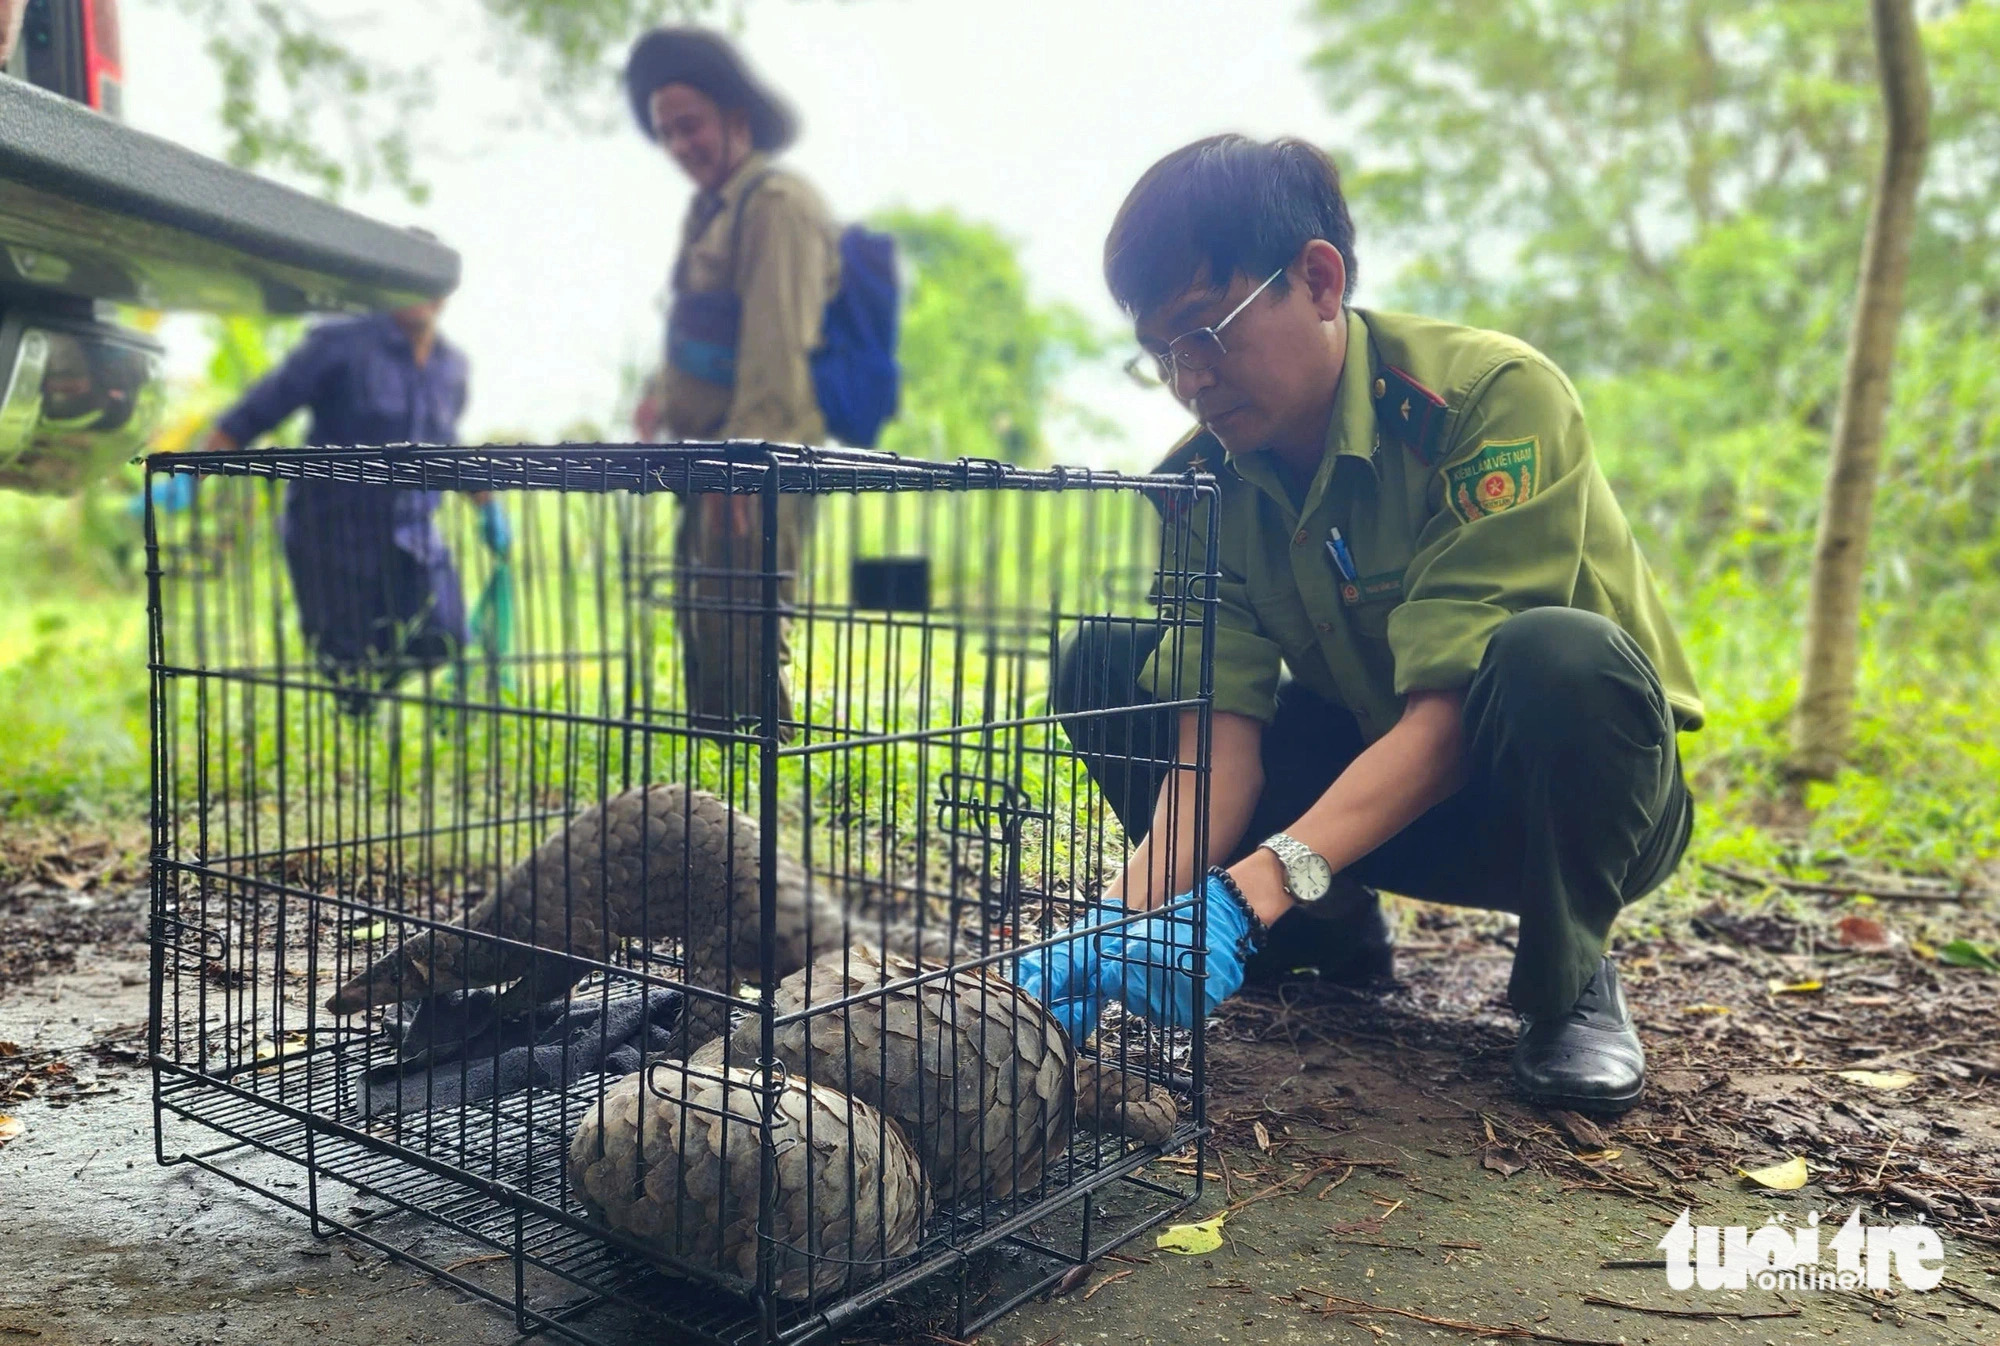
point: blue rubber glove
(172, 493)
(1152, 971)
(1066, 975)
(494, 528)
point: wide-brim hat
(706, 61)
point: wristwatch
(1307, 875)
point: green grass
(72, 681)
(72, 660)
(1917, 797)
(491, 779)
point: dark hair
(1228, 204)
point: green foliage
(72, 676)
(288, 77)
(1617, 179)
(301, 98)
(980, 357)
(572, 46)
(1669, 197)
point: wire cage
(652, 919)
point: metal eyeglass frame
(1175, 356)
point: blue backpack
(855, 373)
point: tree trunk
(1822, 724)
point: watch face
(1310, 877)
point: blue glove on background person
(1067, 975)
(494, 528)
(172, 493)
(1151, 973)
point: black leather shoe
(1345, 939)
(1587, 1060)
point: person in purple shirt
(377, 589)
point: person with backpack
(764, 342)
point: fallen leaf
(1191, 1240)
(1964, 953)
(1779, 986)
(1879, 1079)
(1704, 1008)
(1923, 951)
(1582, 1131)
(1504, 1160)
(1263, 1136)
(1786, 1177)
(11, 1127)
(1598, 1156)
(1863, 933)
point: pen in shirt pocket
(1343, 560)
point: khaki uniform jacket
(785, 268)
(1459, 472)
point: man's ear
(1325, 278)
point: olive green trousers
(1574, 803)
(720, 605)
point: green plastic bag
(490, 630)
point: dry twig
(1115, 1276)
(1880, 891)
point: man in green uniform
(1440, 665)
(759, 259)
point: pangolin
(976, 1070)
(662, 862)
(671, 1155)
(977, 1073)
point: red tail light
(71, 47)
(103, 63)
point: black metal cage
(652, 919)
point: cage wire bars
(649, 923)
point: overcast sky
(1036, 116)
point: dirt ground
(1381, 1184)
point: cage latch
(193, 946)
(988, 810)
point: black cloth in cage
(454, 1049)
(823, 891)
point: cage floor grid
(496, 1175)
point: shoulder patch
(1197, 452)
(1410, 412)
(1503, 473)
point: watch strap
(1290, 852)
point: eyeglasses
(1200, 350)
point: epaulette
(1198, 451)
(1410, 412)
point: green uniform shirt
(1460, 475)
